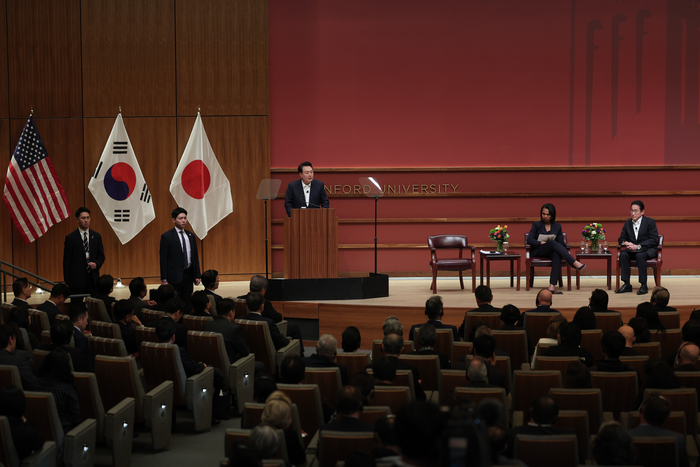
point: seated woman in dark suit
(553, 249)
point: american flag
(33, 194)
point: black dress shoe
(642, 290)
(624, 288)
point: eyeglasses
(635, 211)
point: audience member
(510, 316)
(543, 303)
(569, 340)
(360, 459)
(243, 455)
(124, 316)
(435, 312)
(641, 330)
(650, 314)
(292, 370)
(25, 437)
(61, 334)
(386, 442)
(427, 338)
(484, 347)
(585, 318)
(55, 376)
(255, 303)
(598, 301)
(652, 414)
(164, 293)
(105, 286)
(278, 413)
(383, 372)
(659, 376)
(348, 407)
(79, 318)
(628, 333)
(138, 292)
(392, 325)
(543, 414)
(325, 356)
(483, 297)
(578, 376)
(555, 322)
(613, 445)
(59, 295)
(224, 324)
(687, 357)
(392, 346)
(264, 386)
(210, 281)
(173, 309)
(22, 290)
(265, 440)
(477, 374)
(419, 427)
(660, 297)
(201, 306)
(613, 344)
(365, 382)
(10, 355)
(351, 339)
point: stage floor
(415, 291)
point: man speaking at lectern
(305, 193)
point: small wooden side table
(507, 256)
(586, 256)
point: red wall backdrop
(590, 92)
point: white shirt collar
(304, 184)
(84, 232)
(639, 222)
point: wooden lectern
(311, 244)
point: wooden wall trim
(490, 169)
(492, 220)
(419, 246)
(543, 194)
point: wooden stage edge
(407, 298)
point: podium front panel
(311, 244)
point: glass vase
(499, 247)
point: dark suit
(75, 272)
(444, 360)
(404, 365)
(319, 361)
(22, 318)
(294, 197)
(480, 384)
(612, 366)
(438, 325)
(81, 360)
(653, 431)
(190, 366)
(648, 239)
(483, 308)
(138, 305)
(173, 263)
(293, 330)
(348, 424)
(629, 352)
(51, 310)
(565, 350)
(129, 337)
(180, 331)
(80, 340)
(537, 430)
(278, 340)
(22, 360)
(556, 250)
(108, 301)
(233, 337)
(217, 297)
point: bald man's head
(628, 334)
(544, 297)
(689, 355)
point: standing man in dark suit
(305, 193)
(83, 255)
(641, 238)
(179, 261)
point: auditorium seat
(39, 321)
(328, 382)
(97, 311)
(45, 457)
(591, 341)
(428, 369)
(529, 385)
(650, 349)
(105, 329)
(492, 319)
(656, 451)
(210, 349)
(354, 361)
(104, 346)
(638, 362)
(537, 324)
(476, 395)
(576, 420)
(148, 315)
(554, 363)
(608, 321)
(459, 350)
(689, 379)
(589, 400)
(450, 379)
(670, 319)
(546, 451)
(543, 262)
(307, 397)
(259, 340)
(371, 413)
(619, 390)
(242, 435)
(514, 343)
(334, 446)
(459, 263)
(195, 323)
(9, 375)
(393, 397)
(670, 341)
(378, 353)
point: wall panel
(44, 58)
(222, 57)
(6, 226)
(153, 140)
(128, 57)
(237, 244)
(4, 96)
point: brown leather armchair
(532, 262)
(652, 263)
(439, 242)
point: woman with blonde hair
(278, 413)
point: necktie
(636, 231)
(184, 248)
(86, 247)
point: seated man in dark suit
(477, 374)
(484, 297)
(61, 333)
(543, 302)
(255, 303)
(613, 345)
(138, 291)
(419, 428)
(687, 357)
(392, 346)
(351, 339)
(569, 340)
(210, 281)
(259, 284)
(660, 297)
(628, 333)
(434, 311)
(653, 413)
(510, 316)
(105, 286)
(641, 240)
(164, 293)
(348, 407)
(427, 338)
(383, 372)
(59, 295)
(223, 324)
(79, 318)
(10, 355)
(543, 414)
(173, 311)
(201, 306)
(598, 301)
(326, 351)
(22, 291)
(293, 371)
(124, 316)
(485, 347)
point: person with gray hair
(325, 356)
(477, 374)
(427, 338)
(265, 440)
(392, 325)
(392, 347)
